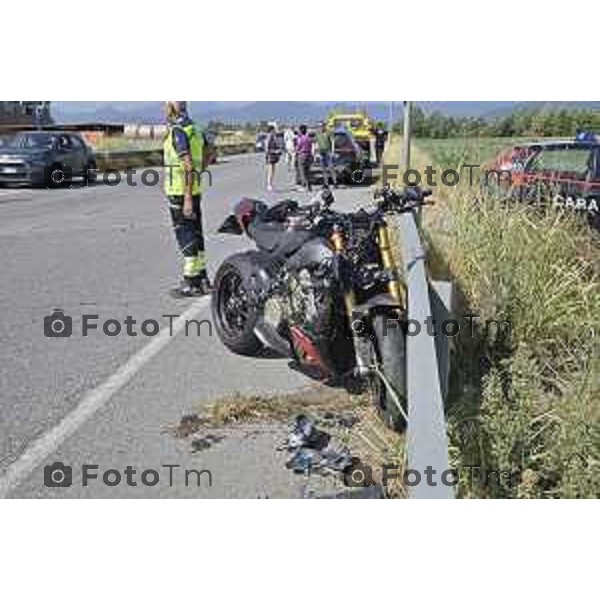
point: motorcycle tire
(233, 313)
(389, 345)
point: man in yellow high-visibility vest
(183, 161)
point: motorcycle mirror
(231, 225)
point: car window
(343, 142)
(348, 123)
(64, 141)
(29, 140)
(564, 160)
(76, 142)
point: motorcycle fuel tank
(314, 252)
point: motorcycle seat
(267, 234)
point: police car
(565, 172)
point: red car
(566, 172)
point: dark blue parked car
(48, 158)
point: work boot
(202, 283)
(186, 289)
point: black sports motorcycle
(323, 289)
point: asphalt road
(107, 400)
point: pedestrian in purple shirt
(304, 155)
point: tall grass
(452, 152)
(537, 414)
(527, 404)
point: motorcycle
(321, 288)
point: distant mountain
(294, 112)
(126, 112)
(229, 112)
(288, 111)
(541, 106)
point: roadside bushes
(525, 407)
(536, 410)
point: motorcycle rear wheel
(234, 314)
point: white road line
(91, 402)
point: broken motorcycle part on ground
(313, 449)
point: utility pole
(406, 149)
(391, 117)
(406, 136)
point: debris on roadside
(205, 442)
(327, 435)
(238, 409)
(316, 451)
(374, 492)
(305, 434)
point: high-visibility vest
(174, 172)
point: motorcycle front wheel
(389, 349)
(234, 314)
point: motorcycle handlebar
(392, 201)
(407, 199)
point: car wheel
(89, 172)
(54, 176)
(594, 220)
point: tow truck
(358, 124)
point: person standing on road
(326, 151)
(381, 136)
(304, 156)
(272, 155)
(183, 159)
(289, 144)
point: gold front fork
(396, 288)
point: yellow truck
(358, 124)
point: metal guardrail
(427, 441)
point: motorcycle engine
(301, 297)
(304, 309)
(300, 301)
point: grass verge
(528, 404)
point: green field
(452, 152)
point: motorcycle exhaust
(269, 336)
